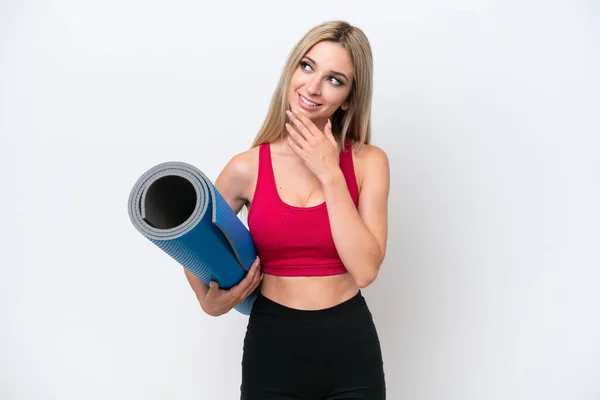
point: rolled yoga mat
(178, 208)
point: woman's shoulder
(238, 176)
(368, 153)
(244, 164)
(368, 157)
(369, 161)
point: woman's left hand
(319, 150)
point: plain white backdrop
(488, 111)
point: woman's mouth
(307, 104)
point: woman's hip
(328, 332)
(326, 350)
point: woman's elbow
(367, 279)
(363, 283)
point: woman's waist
(303, 267)
(309, 292)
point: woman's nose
(313, 86)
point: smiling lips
(307, 104)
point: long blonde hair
(354, 123)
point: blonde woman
(317, 194)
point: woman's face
(321, 82)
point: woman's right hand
(219, 301)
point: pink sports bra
(290, 240)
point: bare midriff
(309, 292)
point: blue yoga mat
(178, 208)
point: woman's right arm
(233, 183)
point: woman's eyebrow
(333, 72)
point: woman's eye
(304, 65)
(307, 67)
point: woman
(317, 196)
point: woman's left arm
(360, 235)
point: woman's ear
(346, 105)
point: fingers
(213, 289)
(301, 126)
(328, 132)
(247, 282)
(253, 269)
(295, 147)
(214, 286)
(255, 280)
(294, 137)
(250, 288)
(303, 121)
(230, 298)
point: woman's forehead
(331, 56)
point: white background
(488, 111)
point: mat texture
(178, 208)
